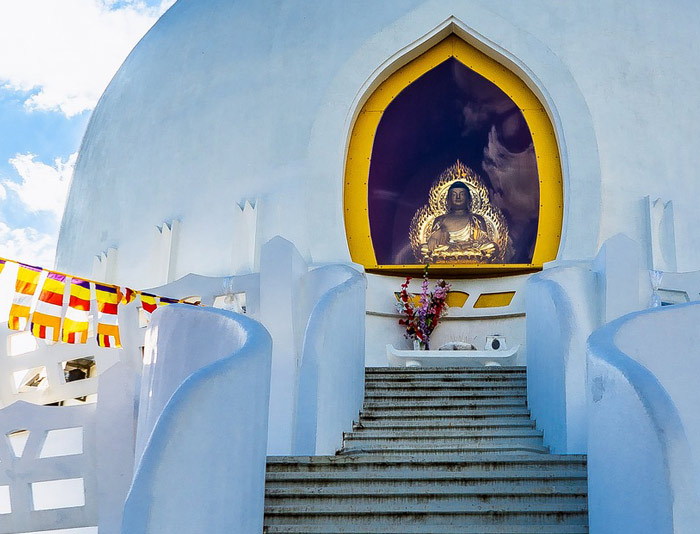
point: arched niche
(453, 114)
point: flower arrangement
(420, 320)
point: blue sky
(57, 58)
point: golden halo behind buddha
(477, 251)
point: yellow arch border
(355, 195)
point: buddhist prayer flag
(148, 302)
(25, 287)
(76, 322)
(46, 320)
(108, 298)
(128, 296)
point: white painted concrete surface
(76, 464)
(203, 467)
(565, 303)
(332, 367)
(282, 270)
(452, 358)
(70, 507)
(115, 437)
(562, 311)
(644, 432)
(315, 316)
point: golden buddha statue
(459, 224)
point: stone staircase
(434, 451)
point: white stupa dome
(226, 102)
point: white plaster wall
(203, 468)
(644, 434)
(224, 102)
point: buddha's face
(457, 198)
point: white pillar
(281, 271)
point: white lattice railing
(38, 375)
(40, 492)
(59, 464)
(47, 467)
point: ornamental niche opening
(453, 162)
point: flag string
(7, 260)
(47, 317)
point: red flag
(76, 322)
(25, 287)
(49, 308)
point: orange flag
(25, 287)
(46, 321)
(76, 322)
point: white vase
(419, 345)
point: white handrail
(203, 468)
(331, 375)
(644, 436)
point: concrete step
(447, 383)
(445, 414)
(444, 378)
(431, 426)
(452, 394)
(459, 464)
(446, 370)
(390, 477)
(445, 403)
(371, 434)
(451, 376)
(389, 500)
(446, 450)
(434, 451)
(444, 514)
(418, 528)
(403, 486)
(430, 385)
(439, 441)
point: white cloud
(43, 187)
(27, 245)
(68, 50)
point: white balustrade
(643, 431)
